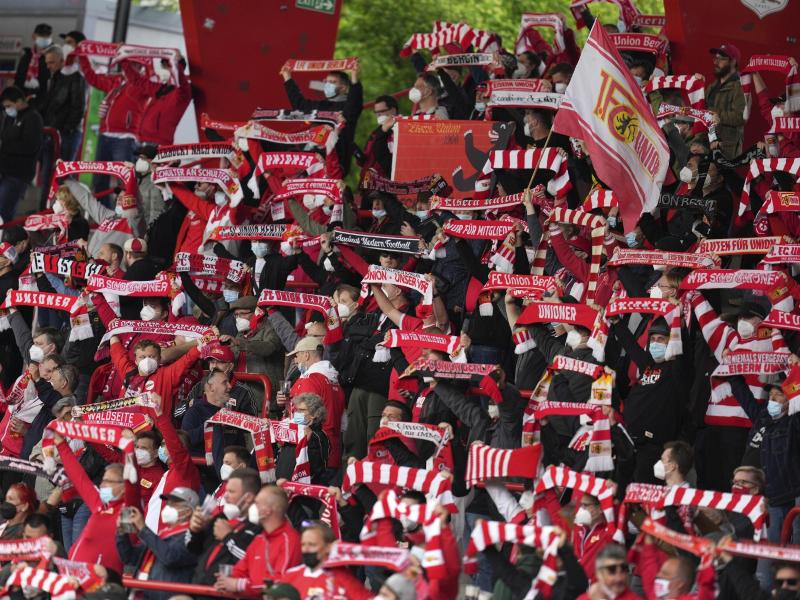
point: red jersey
(269, 556)
(331, 584)
(97, 543)
(587, 542)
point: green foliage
(376, 32)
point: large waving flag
(604, 107)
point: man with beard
(725, 98)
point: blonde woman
(66, 204)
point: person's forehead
(787, 572)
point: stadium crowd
(223, 366)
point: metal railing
(190, 589)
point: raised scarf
(397, 338)
(206, 264)
(444, 34)
(478, 230)
(752, 363)
(317, 135)
(347, 555)
(318, 186)
(259, 429)
(545, 158)
(80, 327)
(777, 64)
(434, 184)
(250, 232)
(201, 151)
(329, 513)
(415, 281)
(224, 178)
(479, 374)
(443, 456)
(689, 260)
(693, 86)
(320, 304)
(283, 114)
(640, 42)
(536, 284)
(526, 100)
(63, 266)
(628, 13)
(761, 166)
(58, 586)
(725, 247)
(123, 287)
(479, 59)
(374, 241)
(121, 170)
(547, 312)
(553, 21)
(465, 204)
(598, 227)
(485, 462)
(286, 432)
(313, 66)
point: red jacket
(322, 379)
(164, 381)
(331, 584)
(269, 556)
(148, 476)
(97, 542)
(587, 543)
(163, 112)
(121, 109)
(204, 216)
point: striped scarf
(777, 64)
(320, 304)
(554, 21)
(488, 533)
(598, 226)
(203, 264)
(446, 33)
(60, 587)
(693, 86)
(434, 485)
(759, 167)
(389, 506)
(600, 198)
(260, 430)
(329, 513)
(543, 158)
(485, 462)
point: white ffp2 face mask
(414, 95)
(574, 339)
(745, 328)
(148, 313)
(252, 515)
(583, 516)
(169, 515)
(659, 471)
(225, 472)
(36, 353)
(242, 324)
(141, 166)
(147, 366)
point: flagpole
(536, 168)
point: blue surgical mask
(302, 368)
(329, 89)
(480, 106)
(259, 249)
(775, 409)
(422, 214)
(299, 418)
(162, 454)
(612, 221)
(118, 210)
(658, 351)
(230, 296)
(378, 213)
(106, 495)
(630, 239)
(11, 112)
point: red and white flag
(604, 106)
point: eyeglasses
(788, 582)
(616, 568)
(720, 57)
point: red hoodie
(121, 109)
(163, 112)
(268, 556)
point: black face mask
(8, 511)
(310, 559)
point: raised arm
(96, 211)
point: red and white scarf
(528, 100)
(397, 338)
(95, 433)
(752, 363)
(442, 457)
(83, 572)
(120, 327)
(250, 232)
(543, 158)
(777, 64)
(536, 284)
(479, 374)
(776, 285)
(195, 152)
(286, 432)
(782, 320)
(320, 304)
(489, 533)
(689, 260)
(478, 230)
(388, 506)
(206, 264)
(563, 477)
(121, 170)
(640, 42)
(598, 227)
(60, 587)
(123, 287)
(547, 312)
(286, 162)
(260, 430)
(405, 279)
(225, 179)
(663, 308)
(726, 247)
(465, 204)
(751, 506)
(318, 186)
(628, 13)
(313, 66)
(554, 21)
(32, 74)
(760, 166)
(706, 117)
(760, 550)
(343, 554)
(80, 327)
(329, 513)
(693, 86)
(317, 135)
(787, 124)
(298, 116)
(43, 222)
(446, 33)
(478, 59)
(20, 550)
(600, 198)
(95, 48)
(485, 462)
(434, 485)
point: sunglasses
(790, 582)
(616, 569)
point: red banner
(425, 147)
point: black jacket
(350, 108)
(228, 551)
(63, 101)
(20, 142)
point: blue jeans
(111, 148)
(71, 528)
(483, 578)
(12, 189)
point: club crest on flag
(765, 7)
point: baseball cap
(148, 150)
(728, 50)
(75, 35)
(753, 309)
(308, 344)
(245, 303)
(221, 353)
(135, 245)
(777, 383)
(183, 494)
